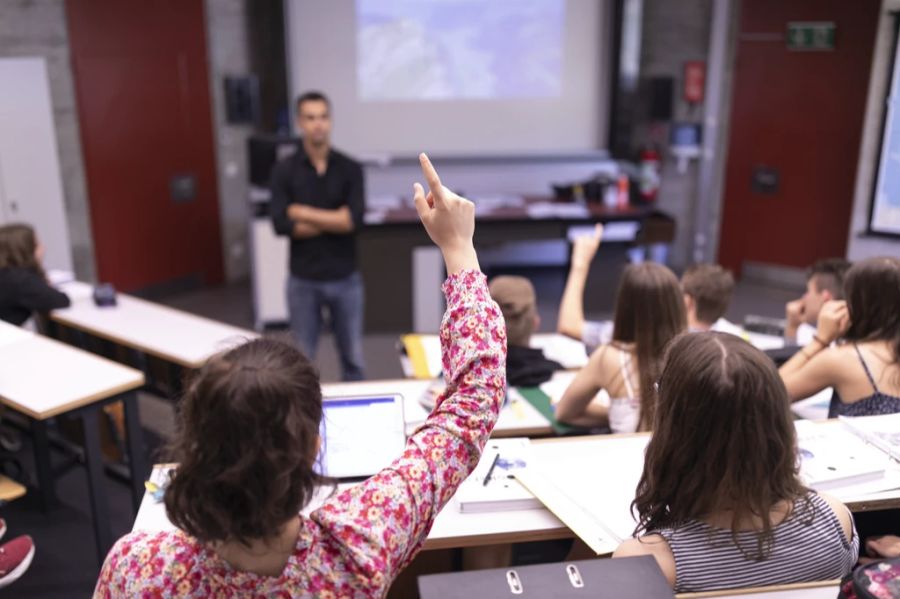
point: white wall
(30, 181)
(859, 245)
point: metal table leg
(94, 462)
(134, 439)
(44, 468)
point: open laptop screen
(361, 435)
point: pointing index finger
(431, 177)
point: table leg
(46, 482)
(134, 439)
(94, 462)
(176, 380)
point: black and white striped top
(809, 545)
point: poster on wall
(885, 213)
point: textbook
(881, 431)
(492, 486)
(832, 457)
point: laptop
(361, 435)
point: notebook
(834, 457)
(881, 431)
(361, 435)
(492, 486)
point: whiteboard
(885, 214)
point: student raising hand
(448, 218)
(585, 247)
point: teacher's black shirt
(329, 256)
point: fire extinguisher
(649, 177)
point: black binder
(595, 578)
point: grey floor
(65, 563)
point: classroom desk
(518, 418)
(827, 589)
(174, 336)
(41, 378)
(453, 529)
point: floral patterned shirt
(356, 543)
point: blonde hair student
(249, 436)
(649, 313)
(720, 503)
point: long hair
(723, 439)
(18, 244)
(246, 444)
(649, 313)
(872, 291)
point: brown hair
(828, 274)
(649, 313)
(246, 443)
(872, 289)
(711, 287)
(518, 303)
(18, 244)
(723, 439)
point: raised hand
(584, 248)
(448, 218)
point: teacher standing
(318, 200)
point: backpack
(878, 580)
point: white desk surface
(518, 418)
(173, 335)
(41, 377)
(11, 334)
(451, 528)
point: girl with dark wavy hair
(720, 503)
(24, 289)
(864, 365)
(249, 436)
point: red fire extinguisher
(649, 177)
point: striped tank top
(809, 545)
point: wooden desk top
(41, 377)
(172, 335)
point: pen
(491, 469)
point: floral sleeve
(382, 523)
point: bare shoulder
(843, 514)
(654, 545)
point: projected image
(459, 49)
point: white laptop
(360, 435)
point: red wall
(144, 109)
(801, 113)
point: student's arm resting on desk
(383, 522)
(578, 406)
(36, 294)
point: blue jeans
(344, 300)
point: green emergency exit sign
(810, 35)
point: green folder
(541, 403)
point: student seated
(525, 366)
(707, 293)
(248, 438)
(824, 282)
(649, 313)
(24, 289)
(720, 504)
(865, 368)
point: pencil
(491, 470)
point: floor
(66, 565)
